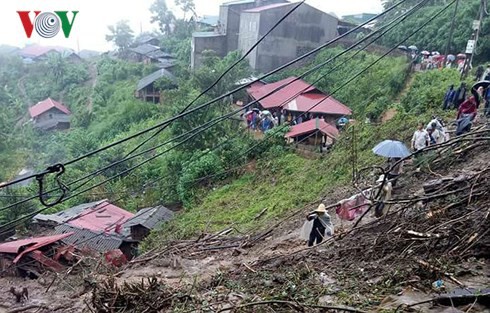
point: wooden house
(148, 91)
(49, 115)
(146, 220)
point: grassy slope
(284, 181)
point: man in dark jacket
(322, 224)
(449, 98)
(460, 96)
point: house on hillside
(315, 132)
(50, 114)
(40, 53)
(295, 97)
(148, 54)
(146, 220)
(96, 226)
(148, 91)
(147, 39)
(243, 22)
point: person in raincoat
(384, 195)
(322, 225)
(460, 96)
(449, 98)
(468, 108)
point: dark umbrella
(404, 48)
(482, 83)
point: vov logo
(47, 24)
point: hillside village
(338, 166)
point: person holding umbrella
(322, 223)
(394, 151)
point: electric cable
(56, 168)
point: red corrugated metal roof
(267, 7)
(104, 217)
(311, 126)
(318, 103)
(34, 243)
(276, 99)
(47, 105)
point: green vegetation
(230, 184)
(435, 35)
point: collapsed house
(103, 227)
(30, 257)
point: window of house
(50, 115)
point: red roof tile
(14, 247)
(311, 126)
(45, 106)
(318, 103)
(284, 94)
(267, 7)
(104, 217)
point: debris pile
(152, 295)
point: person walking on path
(395, 169)
(384, 196)
(420, 138)
(449, 98)
(322, 224)
(460, 96)
(468, 108)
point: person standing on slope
(420, 138)
(322, 223)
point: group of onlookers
(433, 133)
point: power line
(53, 169)
(224, 73)
(388, 27)
(356, 75)
(149, 159)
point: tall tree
(121, 35)
(186, 6)
(162, 15)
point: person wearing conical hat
(322, 223)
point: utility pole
(472, 43)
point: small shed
(50, 114)
(146, 89)
(146, 220)
(315, 132)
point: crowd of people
(265, 120)
(467, 103)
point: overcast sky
(90, 26)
